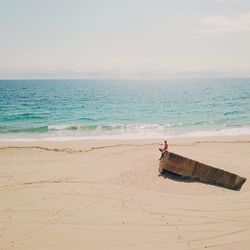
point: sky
(124, 38)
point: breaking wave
(114, 131)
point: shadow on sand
(176, 177)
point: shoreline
(191, 135)
(175, 140)
(77, 134)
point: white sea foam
(220, 132)
(134, 131)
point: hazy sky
(124, 38)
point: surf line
(72, 151)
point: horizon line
(128, 78)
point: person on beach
(164, 149)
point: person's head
(165, 141)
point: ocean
(85, 109)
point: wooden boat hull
(195, 170)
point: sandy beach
(102, 194)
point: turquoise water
(66, 109)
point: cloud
(216, 24)
(228, 1)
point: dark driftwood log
(195, 170)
